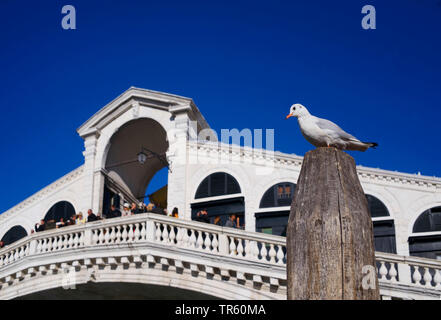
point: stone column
(177, 157)
(90, 144)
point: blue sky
(243, 62)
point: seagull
(324, 133)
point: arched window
(275, 221)
(384, 226)
(428, 221)
(279, 195)
(217, 184)
(428, 246)
(376, 207)
(14, 234)
(62, 209)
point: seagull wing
(334, 130)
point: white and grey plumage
(324, 133)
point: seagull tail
(372, 144)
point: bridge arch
(199, 285)
(118, 291)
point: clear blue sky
(243, 62)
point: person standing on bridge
(91, 216)
(232, 222)
(126, 210)
(175, 213)
(114, 212)
(202, 216)
(41, 226)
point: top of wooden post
(329, 234)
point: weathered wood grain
(329, 233)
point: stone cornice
(292, 160)
(40, 194)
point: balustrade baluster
(255, 250)
(437, 279)
(247, 249)
(427, 278)
(39, 246)
(240, 248)
(158, 232)
(112, 235)
(172, 235)
(280, 254)
(65, 242)
(106, 235)
(60, 242)
(192, 239)
(54, 243)
(137, 231)
(124, 234)
(43, 245)
(143, 231)
(179, 237)
(393, 272)
(272, 254)
(383, 271)
(130, 233)
(75, 240)
(165, 233)
(185, 237)
(200, 240)
(94, 237)
(101, 236)
(215, 243)
(207, 242)
(416, 275)
(49, 244)
(81, 238)
(232, 246)
(118, 234)
(263, 252)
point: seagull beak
(289, 116)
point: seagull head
(297, 110)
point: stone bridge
(160, 251)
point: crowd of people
(114, 212)
(232, 222)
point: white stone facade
(406, 196)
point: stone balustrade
(256, 257)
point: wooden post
(329, 235)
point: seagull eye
(294, 109)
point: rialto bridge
(216, 262)
(159, 252)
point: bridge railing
(266, 249)
(408, 270)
